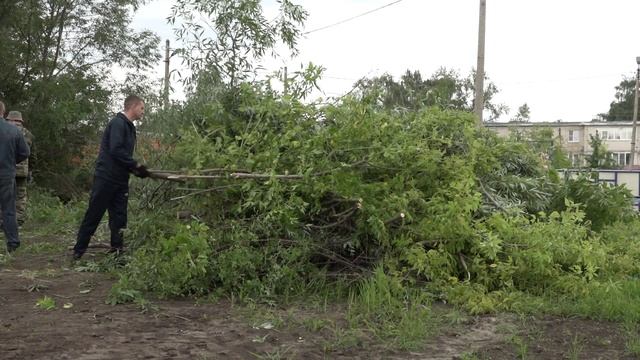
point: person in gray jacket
(13, 150)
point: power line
(559, 80)
(352, 18)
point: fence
(628, 178)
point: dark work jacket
(115, 159)
(13, 149)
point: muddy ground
(83, 326)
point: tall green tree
(445, 89)
(621, 108)
(600, 157)
(57, 60)
(523, 114)
(222, 40)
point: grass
(614, 301)
(344, 338)
(379, 310)
(391, 312)
(314, 324)
(469, 356)
(521, 346)
(576, 347)
(46, 214)
(631, 331)
(37, 248)
(4, 258)
(278, 354)
(46, 303)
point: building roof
(559, 124)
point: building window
(574, 135)
(621, 134)
(621, 158)
(576, 160)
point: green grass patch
(392, 312)
(615, 301)
(46, 303)
(47, 214)
(42, 247)
(631, 331)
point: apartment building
(575, 137)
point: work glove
(141, 171)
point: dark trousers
(105, 196)
(8, 207)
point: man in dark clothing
(110, 189)
(13, 150)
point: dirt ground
(82, 326)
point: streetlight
(635, 116)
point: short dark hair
(132, 100)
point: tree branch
(61, 25)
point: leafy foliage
(174, 266)
(621, 109)
(603, 204)
(57, 55)
(523, 114)
(445, 89)
(600, 158)
(47, 214)
(301, 193)
(235, 35)
(512, 176)
(346, 187)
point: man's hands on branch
(141, 171)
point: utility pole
(635, 116)
(166, 77)
(478, 105)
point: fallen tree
(285, 195)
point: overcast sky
(561, 57)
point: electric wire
(352, 18)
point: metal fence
(628, 178)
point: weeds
(469, 356)
(4, 258)
(344, 338)
(278, 354)
(36, 287)
(576, 347)
(522, 348)
(47, 214)
(612, 300)
(46, 303)
(106, 264)
(392, 312)
(122, 292)
(315, 325)
(43, 248)
(631, 331)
